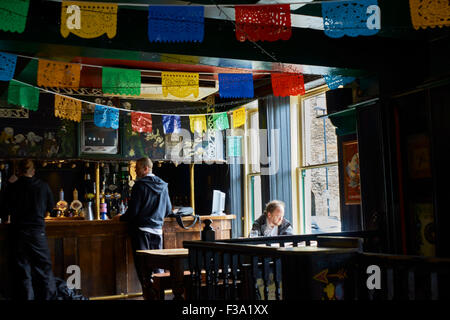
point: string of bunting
(264, 22)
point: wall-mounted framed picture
(352, 187)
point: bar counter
(102, 250)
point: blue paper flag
(171, 124)
(176, 23)
(236, 85)
(7, 66)
(333, 82)
(351, 18)
(106, 117)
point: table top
(316, 250)
(181, 252)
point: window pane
(321, 196)
(255, 197)
(254, 143)
(319, 134)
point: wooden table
(173, 260)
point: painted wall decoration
(419, 162)
(20, 141)
(426, 232)
(332, 283)
(352, 188)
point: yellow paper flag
(238, 117)
(198, 123)
(180, 84)
(58, 74)
(67, 108)
(429, 13)
(88, 19)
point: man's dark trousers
(32, 269)
(142, 240)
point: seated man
(272, 222)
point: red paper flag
(287, 84)
(264, 23)
(141, 122)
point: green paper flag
(220, 121)
(21, 94)
(121, 81)
(13, 15)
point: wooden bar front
(102, 250)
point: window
(318, 174)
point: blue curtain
(274, 115)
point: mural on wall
(20, 142)
(333, 284)
(352, 188)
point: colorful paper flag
(106, 117)
(141, 122)
(171, 124)
(13, 15)
(197, 123)
(24, 95)
(67, 108)
(121, 81)
(220, 121)
(351, 18)
(285, 84)
(7, 66)
(58, 74)
(263, 23)
(180, 84)
(238, 117)
(429, 13)
(88, 20)
(176, 23)
(236, 85)
(335, 81)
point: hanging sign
(88, 19)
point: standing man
(27, 200)
(148, 206)
(272, 223)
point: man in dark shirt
(272, 223)
(148, 206)
(26, 201)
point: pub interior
(353, 142)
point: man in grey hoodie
(148, 206)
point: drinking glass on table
(253, 234)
